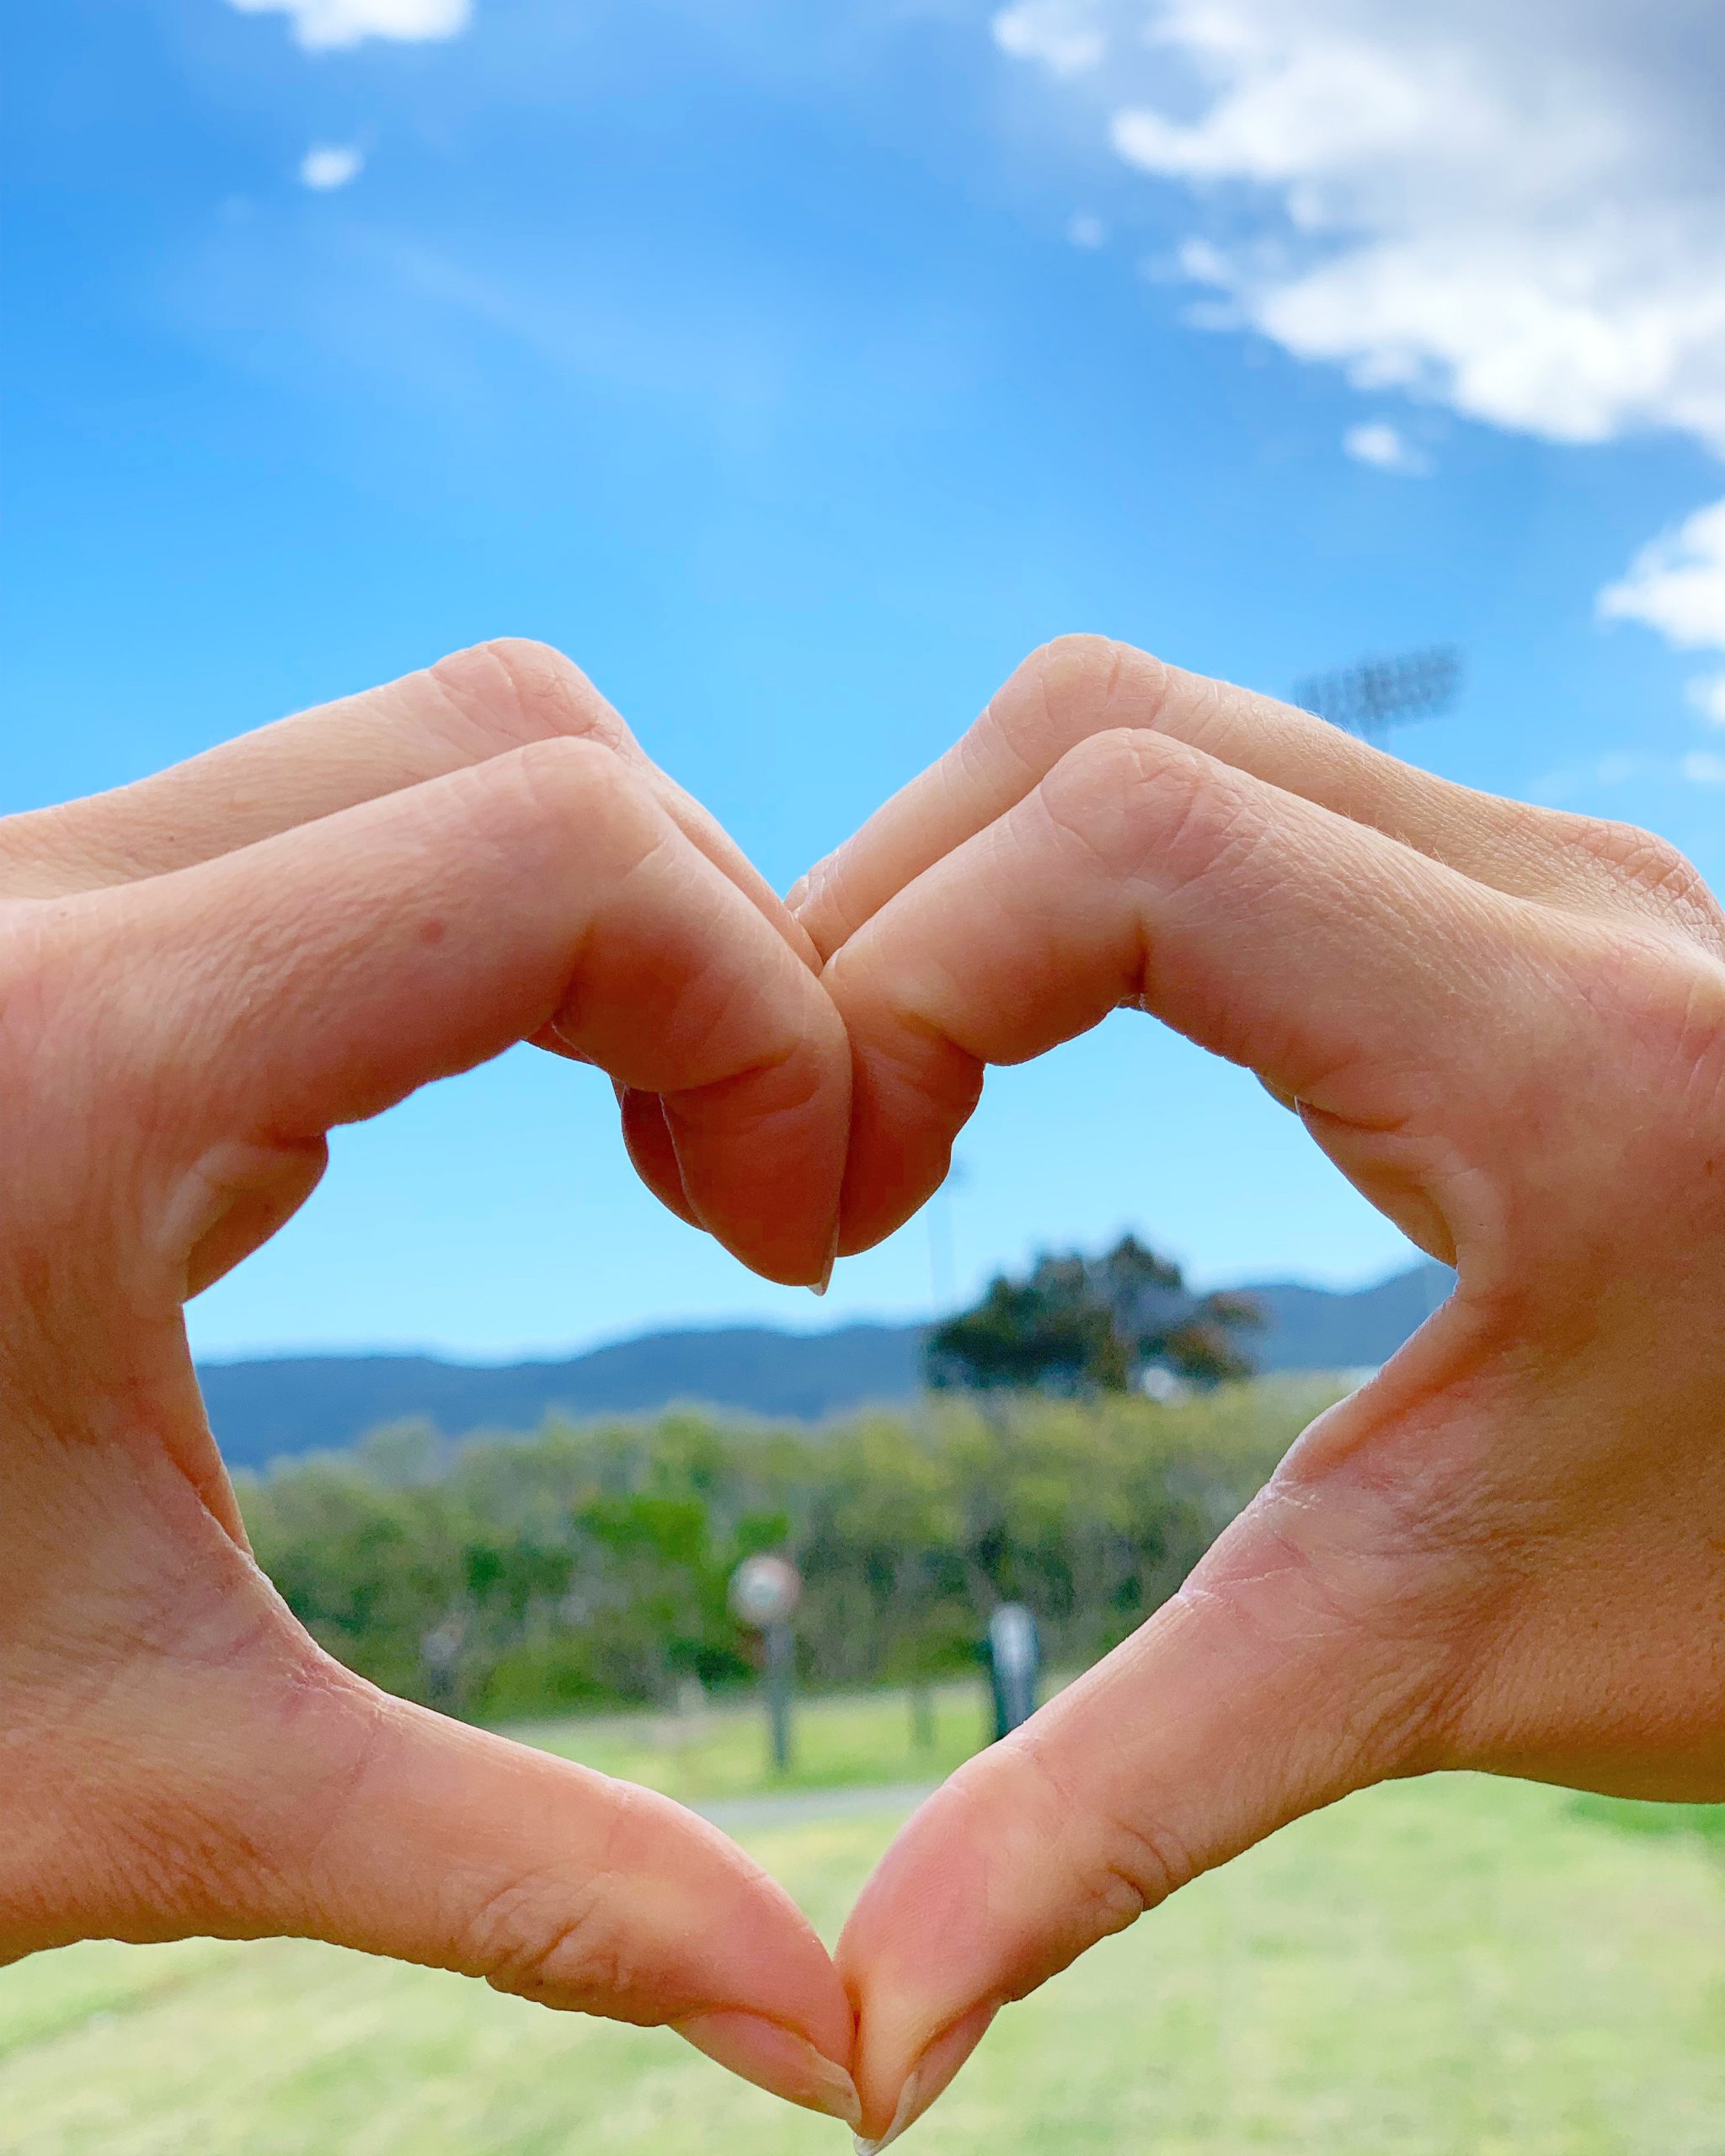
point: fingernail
(933, 2073)
(777, 2059)
(807, 889)
(568, 1047)
(820, 1286)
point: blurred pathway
(792, 1807)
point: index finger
(474, 705)
(1079, 687)
(1315, 951)
(320, 976)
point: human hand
(199, 976)
(1507, 1028)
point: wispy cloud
(322, 25)
(1516, 210)
(1086, 231)
(1581, 782)
(329, 165)
(1707, 695)
(1677, 586)
(1067, 39)
(1376, 442)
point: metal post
(765, 1591)
(1014, 1663)
(780, 1664)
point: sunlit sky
(797, 369)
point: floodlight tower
(1369, 698)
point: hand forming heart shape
(1507, 1028)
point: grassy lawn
(868, 1737)
(1450, 1968)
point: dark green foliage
(1092, 1325)
(588, 1565)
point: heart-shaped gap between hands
(1507, 1028)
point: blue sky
(796, 369)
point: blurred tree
(588, 1565)
(1079, 1325)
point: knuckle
(1651, 866)
(585, 1943)
(1640, 856)
(1134, 1867)
(1120, 1866)
(1119, 759)
(1134, 799)
(526, 656)
(1076, 677)
(526, 690)
(1070, 691)
(1078, 662)
(1665, 1004)
(1089, 682)
(570, 1943)
(527, 1939)
(1058, 694)
(553, 807)
(561, 780)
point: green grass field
(841, 1742)
(1449, 1968)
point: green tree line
(587, 1565)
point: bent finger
(1080, 686)
(320, 976)
(476, 704)
(1336, 962)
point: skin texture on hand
(1507, 1028)
(198, 977)
(1508, 1552)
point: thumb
(294, 1798)
(458, 1849)
(1301, 1661)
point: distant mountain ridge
(276, 1407)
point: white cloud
(1086, 231)
(1376, 442)
(1677, 584)
(1519, 209)
(1701, 768)
(1052, 32)
(331, 164)
(1708, 697)
(1515, 210)
(321, 25)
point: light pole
(1369, 698)
(764, 1594)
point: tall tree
(1076, 1324)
